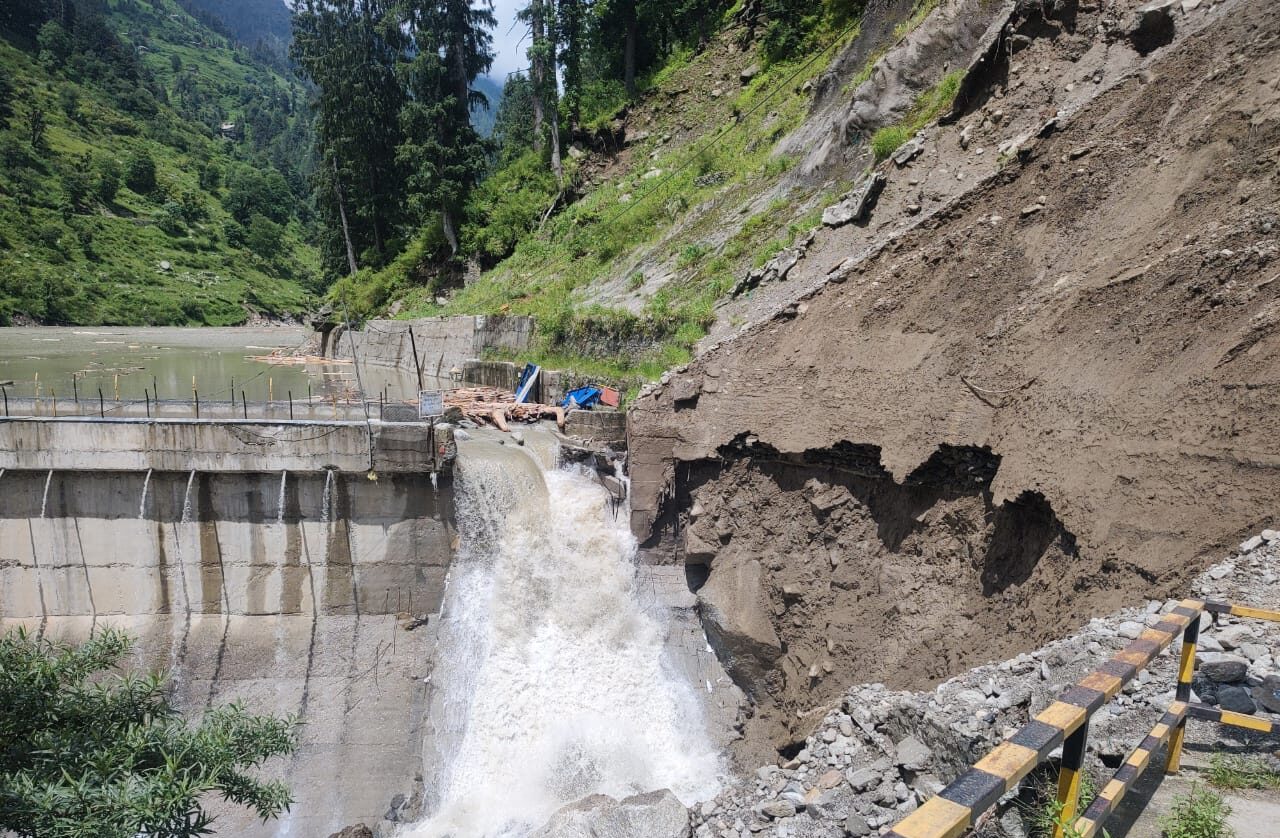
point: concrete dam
(303, 567)
(255, 561)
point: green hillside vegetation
(550, 243)
(120, 200)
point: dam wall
(258, 562)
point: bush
(169, 218)
(140, 173)
(89, 753)
(252, 192)
(108, 180)
(264, 237)
(78, 185)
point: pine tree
(571, 33)
(350, 49)
(445, 157)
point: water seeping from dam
(551, 682)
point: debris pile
(880, 753)
(497, 407)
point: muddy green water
(160, 360)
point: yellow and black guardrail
(1065, 722)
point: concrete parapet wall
(181, 445)
(442, 342)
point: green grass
(1200, 813)
(1045, 816)
(928, 106)
(1234, 771)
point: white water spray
(327, 499)
(551, 684)
(44, 501)
(186, 501)
(142, 504)
(284, 474)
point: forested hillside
(633, 176)
(154, 169)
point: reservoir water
(42, 360)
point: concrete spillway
(254, 562)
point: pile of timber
(492, 406)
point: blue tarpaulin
(583, 397)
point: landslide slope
(995, 410)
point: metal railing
(1065, 722)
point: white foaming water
(142, 504)
(327, 499)
(186, 500)
(44, 501)
(551, 684)
(284, 474)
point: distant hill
(250, 21)
(482, 118)
(152, 170)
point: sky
(507, 46)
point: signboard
(430, 404)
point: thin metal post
(244, 403)
(75, 391)
(417, 362)
(6, 400)
(1069, 779)
(195, 396)
(290, 392)
(1186, 668)
(54, 394)
(155, 388)
(147, 395)
(102, 412)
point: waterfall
(142, 504)
(327, 499)
(284, 474)
(44, 501)
(550, 683)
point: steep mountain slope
(1038, 382)
(153, 171)
(251, 21)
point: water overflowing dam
(557, 683)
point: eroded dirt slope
(1102, 316)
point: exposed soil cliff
(1093, 320)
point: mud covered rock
(732, 605)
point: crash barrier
(1065, 723)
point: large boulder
(1223, 669)
(1151, 25)
(734, 614)
(1267, 694)
(658, 814)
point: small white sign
(430, 404)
